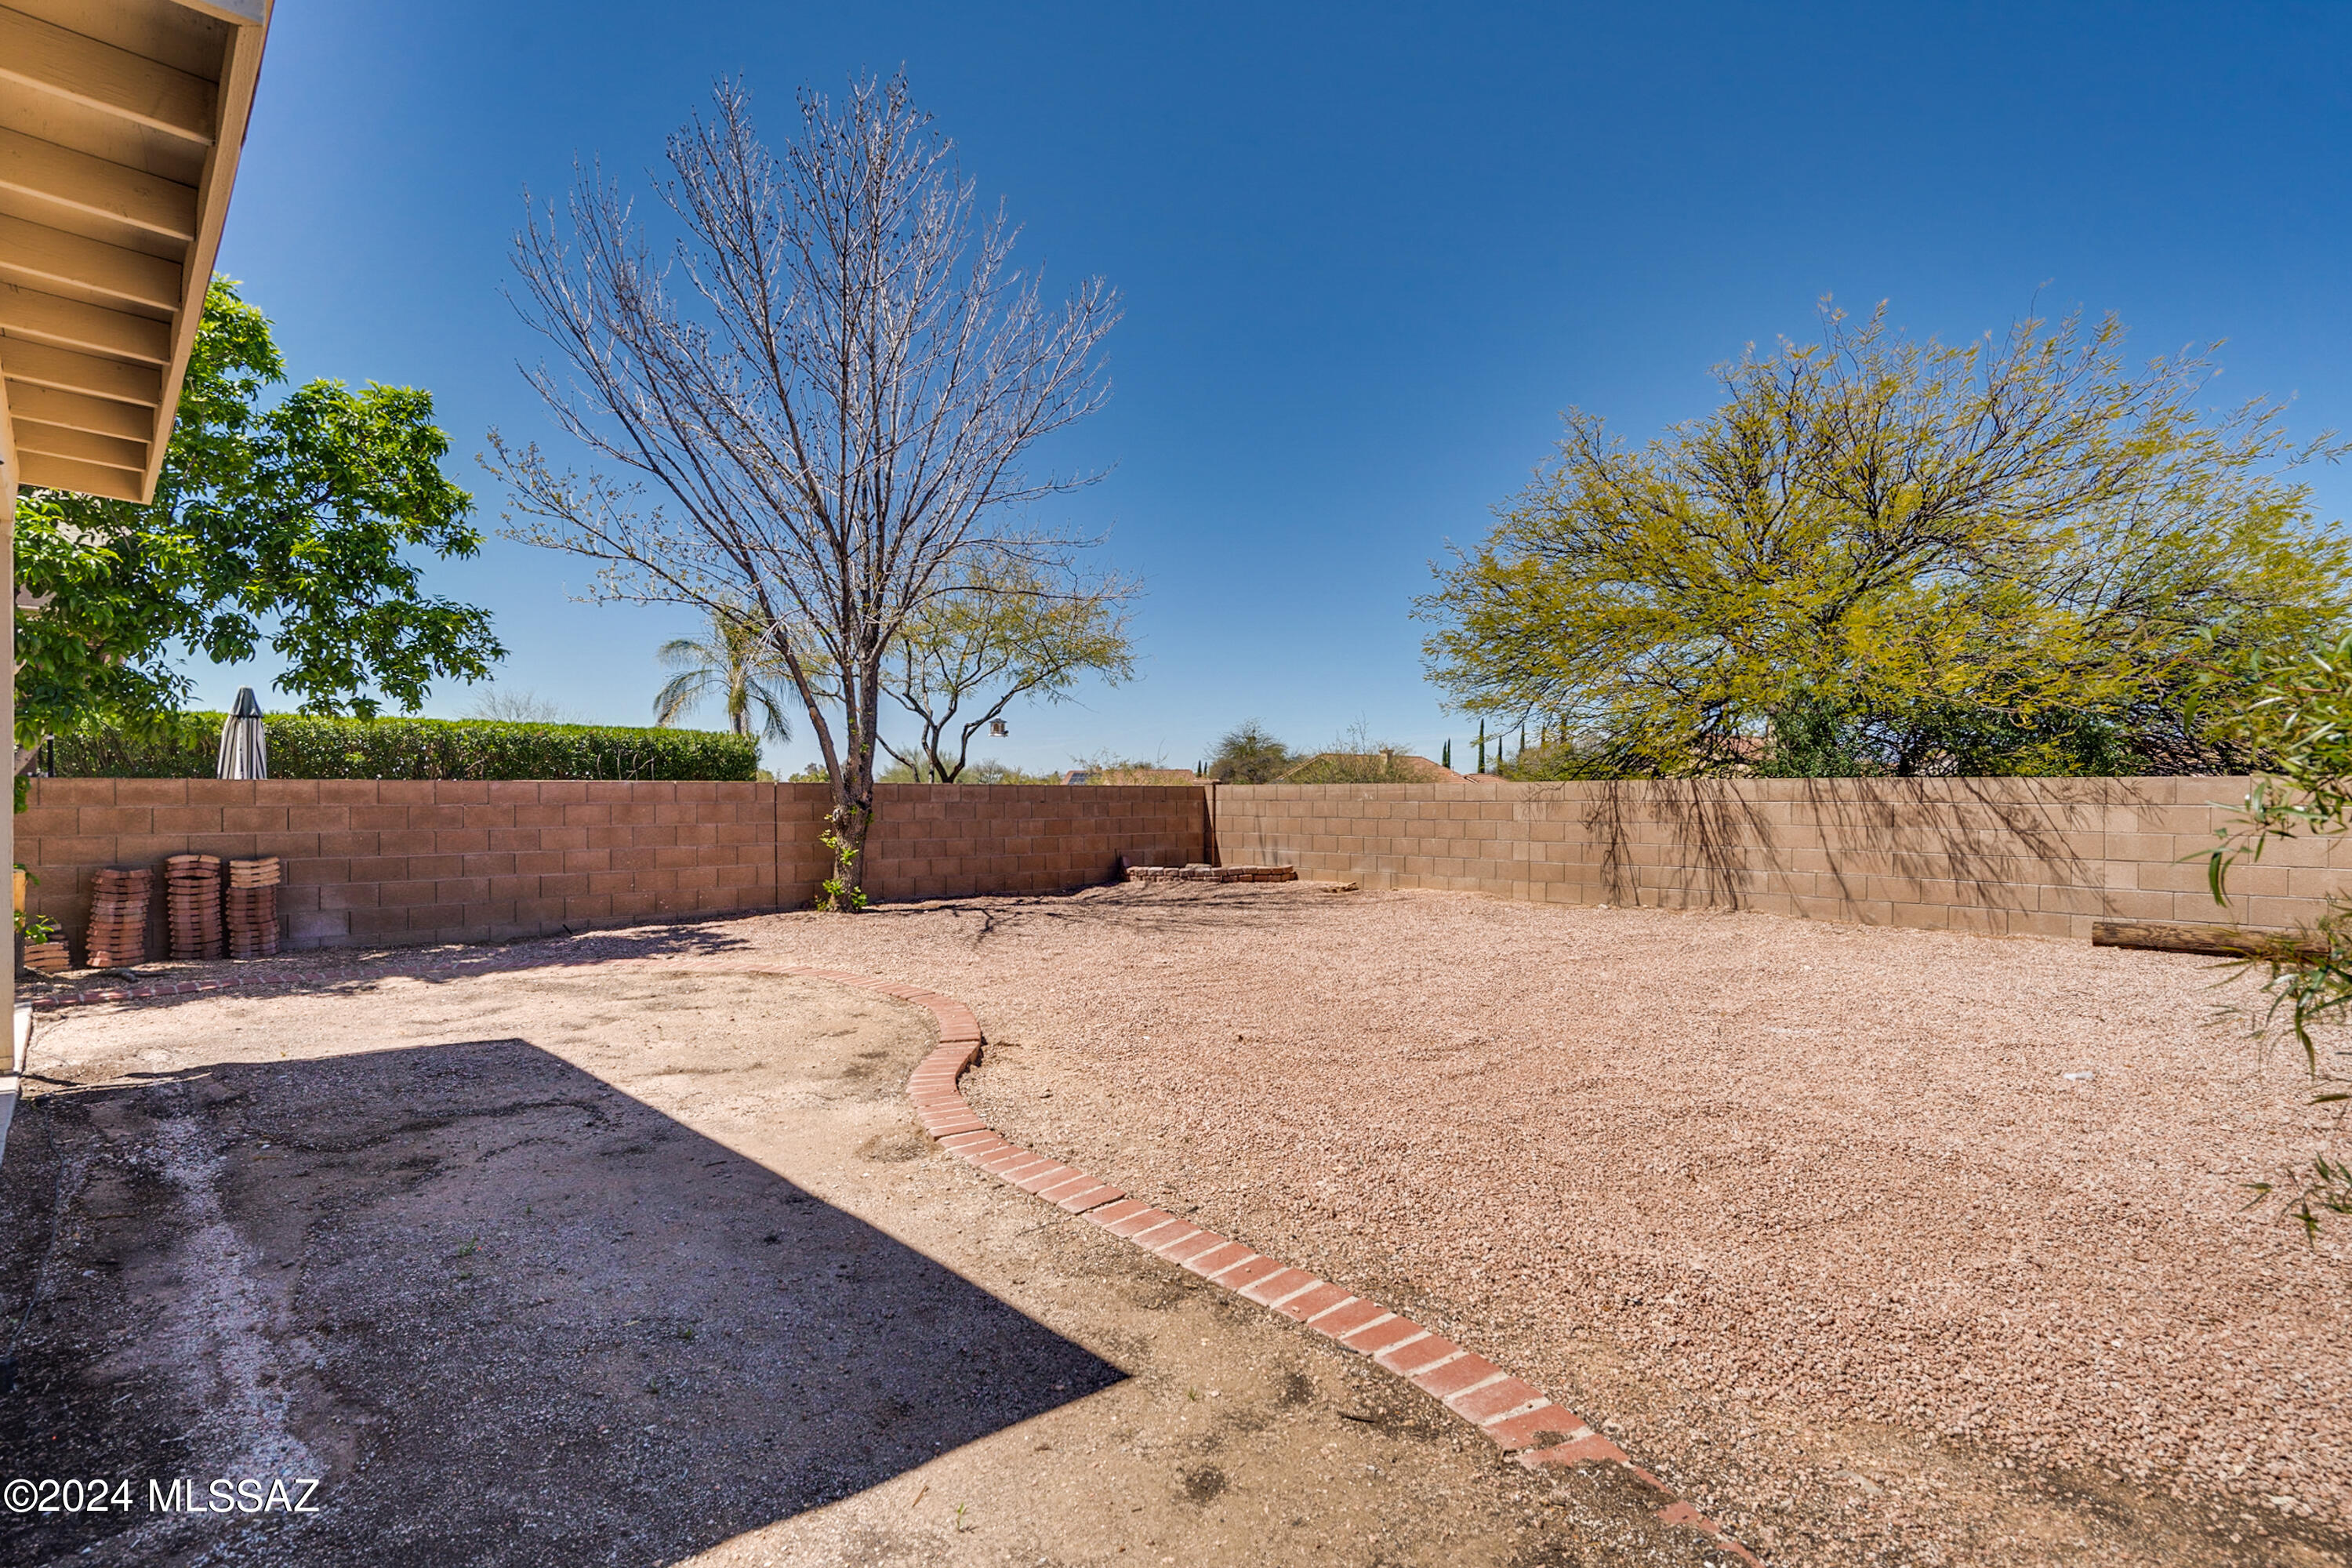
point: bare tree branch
(834, 375)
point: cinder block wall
(2039, 856)
(392, 862)
(949, 841)
(389, 862)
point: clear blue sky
(1369, 252)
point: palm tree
(732, 659)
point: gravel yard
(1881, 1246)
(1823, 1219)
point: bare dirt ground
(1826, 1223)
(575, 1266)
(1812, 1214)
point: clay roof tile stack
(252, 907)
(193, 906)
(118, 917)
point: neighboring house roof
(121, 122)
(1139, 776)
(1368, 767)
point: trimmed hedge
(187, 746)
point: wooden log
(2213, 941)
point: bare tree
(833, 375)
(1011, 628)
(524, 707)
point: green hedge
(187, 746)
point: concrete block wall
(390, 862)
(2045, 856)
(949, 841)
(393, 862)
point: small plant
(35, 929)
(839, 894)
(2329, 1188)
(2298, 723)
(1249, 755)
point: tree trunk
(853, 793)
(846, 829)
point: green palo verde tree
(1880, 555)
(289, 523)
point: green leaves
(737, 663)
(1249, 753)
(2297, 721)
(1011, 624)
(308, 746)
(1884, 556)
(291, 526)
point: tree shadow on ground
(508, 1313)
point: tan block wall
(2030, 855)
(950, 841)
(385, 862)
(390, 862)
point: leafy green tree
(1250, 754)
(1010, 626)
(290, 524)
(734, 661)
(1888, 556)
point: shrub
(304, 746)
(1249, 753)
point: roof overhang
(120, 122)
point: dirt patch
(575, 1266)
(1780, 1201)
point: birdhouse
(997, 727)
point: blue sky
(1368, 253)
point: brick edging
(1518, 1417)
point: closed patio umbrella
(243, 754)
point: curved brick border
(1518, 1417)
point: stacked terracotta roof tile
(118, 917)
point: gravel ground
(1816, 1216)
(607, 1265)
(1823, 1221)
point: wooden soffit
(120, 122)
